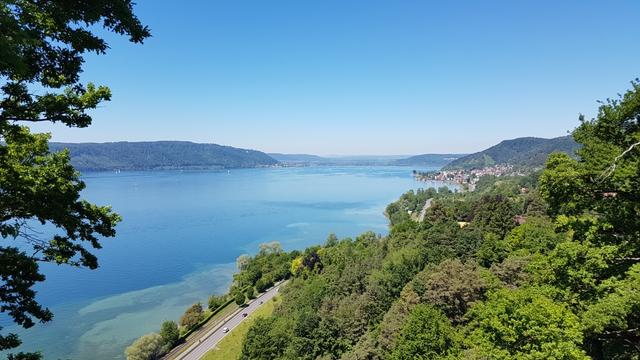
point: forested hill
(353, 160)
(297, 158)
(526, 151)
(160, 155)
(428, 159)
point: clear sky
(362, 76)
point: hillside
(160, 155)
(526, 151)
(352, 160)
(428, 159)
(297, 158)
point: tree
(239, 298)
(332, 240)
(512, 271)
(264, 340)
(148, 347)
(523, 324)
(495, 213)
(492, 250)
(537, 235)
(25, 356)
(616, 313)
(453, 287)
(597, 198)
(242, 261)
(273, 247)
(216, 301)
(192, 316)
(170, 334)
(261, 285)
(42, 48)
(427, 334)
(251, 293)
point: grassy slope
(230, 347)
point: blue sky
(361, 76)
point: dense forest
(151, 155)
(544, 266)
(355, 160)
(428, 160)
(520, 152)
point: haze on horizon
(361, 77)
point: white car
(225, 330)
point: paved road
(423, 212)
(211, 339)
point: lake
(181, 234)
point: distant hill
(526, 151)
(428, 160)
(297, 158)
(160, 155)
(351, 160)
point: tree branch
(612, 168)
(30, 120)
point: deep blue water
(181, 234)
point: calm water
(181, 234)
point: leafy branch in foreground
(42, 49)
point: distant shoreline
(222, 169)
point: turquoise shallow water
(179, 239)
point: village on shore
(467, 178)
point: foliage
(523, 323)
(427, 334)
(262, 340)
(537, 236)
(410, 203)
(616, 313)
(270, 265)
(215, 301)
(495, 214)
(452, 287)
(597, 198)
(25, 356)
(239, 297)
(192, 316)
(251, 293)
(148, 347)
(42, 48)
(262, 285)
(170, 334)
